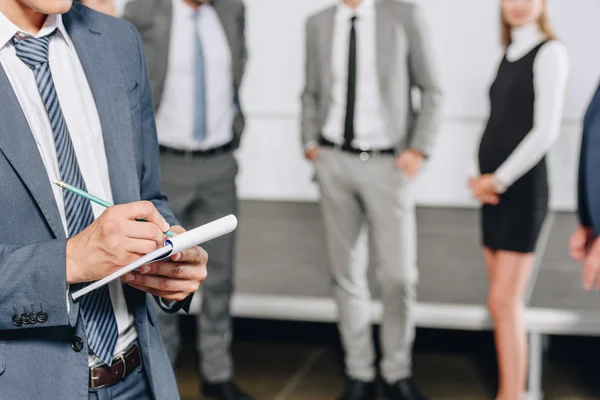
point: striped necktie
(97, 312)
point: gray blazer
(42, 361)
(405, 60)
(153, 19)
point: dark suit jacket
(153, 20)
(42, 360)
(589, 168)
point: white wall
(466, 36)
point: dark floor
(302, 361)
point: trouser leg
(343, 219)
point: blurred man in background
(103, 6)
(367, 144)
(196, 55)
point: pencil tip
(59, 183)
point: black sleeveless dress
(514, 224)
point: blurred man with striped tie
(75, 105)
(196, 53)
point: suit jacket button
(25, 318)
(42, 317)
(16, 319)
(77, 344)
(32, 318)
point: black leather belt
(226, 148)
(104, 376)
(353, 150)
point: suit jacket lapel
(19, 147)
(385, 39)
(112, 103)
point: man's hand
(591, 265)
(580, 243)
(114, 240)
(312, 153)
(410, 161)
(175, 279)
(483, 189)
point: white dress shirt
(551, 72)
(81, 116)
(175, 116)
(369, 127)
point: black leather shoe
(404, 389)
(359, 390)
(223, 391)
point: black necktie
(351, 90)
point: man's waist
(214, 151)
(354, 150)
(123, 365)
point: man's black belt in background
(226, 148)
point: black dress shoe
(359, 390)
(404, 389)
(223, 391)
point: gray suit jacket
(32, 254)
(405, 60)
(153, 20)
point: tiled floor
(301, 361)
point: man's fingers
(194, 255)
(139, 246)
(174, 271)
(161, 283)
(577, 245)
(144, 230)
(144, 210)
(591, 266)
(177, 296)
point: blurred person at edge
(509, 175)
(585, 242)
(196, 55)
(367, 144)
(103, 6)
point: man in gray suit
(75, 105)
(196, 53)
(367, 142)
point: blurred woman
(526, 99)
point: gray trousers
(376, 195)
(201, 190)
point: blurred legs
(509, 274)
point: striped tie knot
(33, 51)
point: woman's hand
(483, 188)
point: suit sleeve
(582, 203)
(243, 49)
(310, 95)
(150, 178)
(424, 73)
(583, 210)
(33, 279)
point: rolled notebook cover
(174, 245)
